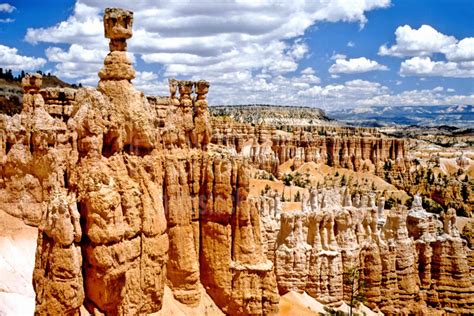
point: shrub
(298, 196)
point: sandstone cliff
(128, 198)
(267, 147)
(409, 261)
(132, 198)
(272, 115)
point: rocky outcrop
(35, 151)
(128, 197)
(57, 276)
(273, 115)
(267, 147)
(234, 270)
(405, 263)
(59, 102)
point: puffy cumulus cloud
(276, 57)
(6, 7)
(339, 10)
(245, 88)
(298, 50)
(10, 59)
(76, 53)
(308, 76)
(7, 20)
(421, 44)
(148, 82)
(196, 39)
(352, 90)
(84, 27)
(417, 42)
(77, 63)
(462, 51)
(355, 65)
(348, 94)
(424, 66)
(427, 41)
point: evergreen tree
(343, 180)
(298, 196)
(352, 279)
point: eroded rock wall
(408, 261)
(128, 197)
(129, 194)
(267, 147)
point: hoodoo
(134, 194)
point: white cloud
(8, 8)
(308, 71)
(350, 44)
(451, 90)
(462, 51)
(427, 41)
(356, 93)
(250, 51)
(77, 63)
(299, 50)
(355, 65)
(5, 7)
(83, 27)
(418, 97)
(334, 11)
(206, 39)
(349, 92)
(417, 42)
(76, 53)
(10, 59)
(338, 56)
(421, 44)
(149, 83)
(424, 66)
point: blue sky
(326, 54)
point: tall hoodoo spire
(118, 28)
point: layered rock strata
(128, 197)
(59, 102)
(409, 262)
(267, 147)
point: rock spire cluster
(268, 148)
(409, 261)
(130, 195)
